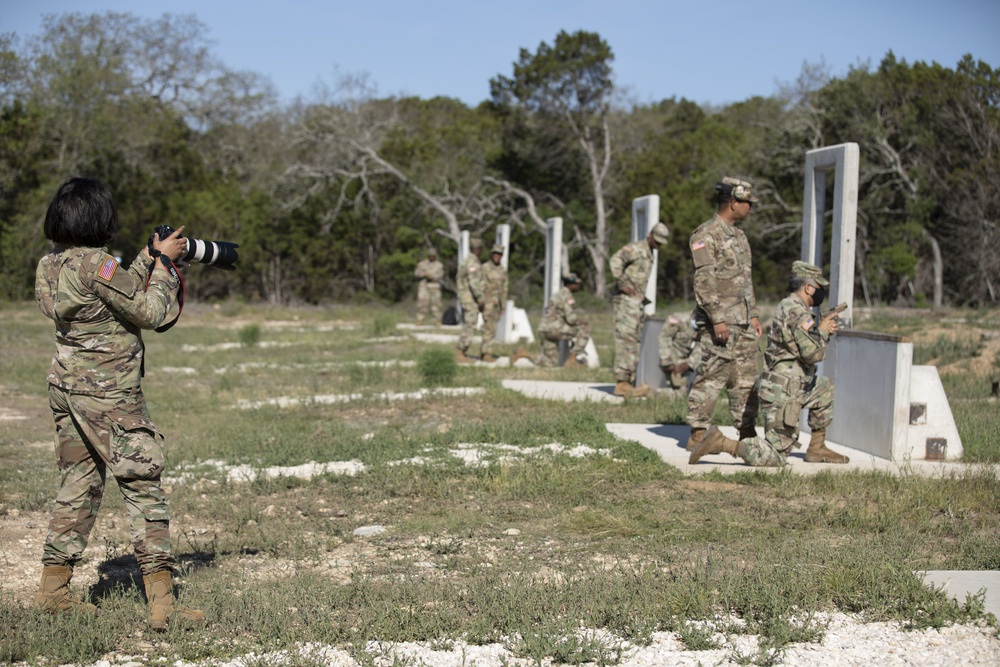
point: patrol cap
(497, 249)
(739, 189)
(475, 242)
(660, 233)
(570, 279)
(808, 271)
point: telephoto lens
(220, 254)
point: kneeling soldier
(795, 344)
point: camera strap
(172, 270)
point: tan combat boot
(488, 358)
(818, 452)
(571, 362)
(623, 389)
(163, 608)
(642, 391)
(462, 358)
(714, 442)
(53, 591)
(696, 436)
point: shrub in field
(383, 324)
(437, 366)
(250, 335)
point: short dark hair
(795, 283)
(82, 213)
(723, 193)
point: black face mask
(819, 295)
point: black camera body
(220, 254)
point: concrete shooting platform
(668, 441)
(957, 584)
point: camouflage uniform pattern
(679, 343)
(430, 272)
(561, 322)
(100, 414)
(494, 278)
(724, 292)
(631, 267)
(469, 286)
(794, 346)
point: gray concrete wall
(871, 374)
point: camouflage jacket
(560, 313)
(794, 344)
(100, 309)
(677, 339)
(722, 281)
(631, 267)
(494, 278)
(469, 281)
(429, 272)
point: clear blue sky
(716, 51)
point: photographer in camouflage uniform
(727, 313)
(795, 344)
(101, 421)
(631, 267)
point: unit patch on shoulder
(108, 269)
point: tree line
(338, 196)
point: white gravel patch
(478, 454)
(325, 399)
(848, 642)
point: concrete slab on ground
(669, 440)
(959, 583)
(565, 391)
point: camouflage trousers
(732, 367)
(95, 434)
(628, 328)
(782, 405)
(491, 318)
(428, 300)
(470, 317)
(549, 355)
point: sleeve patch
(472, 269)
(807, 324)
(108, 269)
(697, 245)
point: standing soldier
(795, 344)
(727, 311)
(561, 322)
(430, 272)
(631, 267)
(495, 299)
(102, 424)
(469, 286)
(679, 354)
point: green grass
(524, 548)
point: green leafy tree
(556, 106)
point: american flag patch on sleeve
(697, 245)
(807, 325)
(108, 269)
